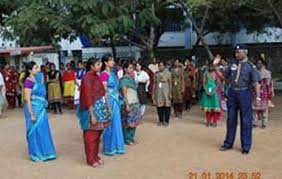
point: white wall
(4, 44)
(68, 46)
(269, 35)
(40, 58)
(172, 39)
(123, 51)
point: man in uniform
(242, 76)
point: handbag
(102, 111)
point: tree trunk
(192, 52)
(151, 43)
(114, 50)
(151, 53)
(152, 36)
(276, 12)
(197, 29)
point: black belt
(239, 88)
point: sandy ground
(185, 149)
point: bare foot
(96, 164)
(101, 162)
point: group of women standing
(215, 89)
(62, 85)
(173, 87)
(177, 87)
(107, 106)
(112, 106)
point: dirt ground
(185, 149)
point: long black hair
(105, 59)
(91, 61)
(28, 66)
(141, 64)
(126, 65)
(54, 65)
(259, 58)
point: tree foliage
(140, 22)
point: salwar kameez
(91, 140)
(188, 92)
(92, 96)
(69, 87)
(54, 91)
(210, 103)
(162, 95)
(11, 82)
(261, 110)
(143, 81)
(177, 78)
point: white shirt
(142, 77)
(120, 73)
(2, 83)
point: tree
(150, 18)
(188, 7)
(139, 22)
(221, 16)
(267, 8)
(38, 22)
(6, 8)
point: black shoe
(245, 152)
(263, 126)
(255, 125)
(224, 148)
(214, 125)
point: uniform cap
(241, 47)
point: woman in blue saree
(113, 135)
(39, 138)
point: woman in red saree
(11, 77)
(93, 112)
